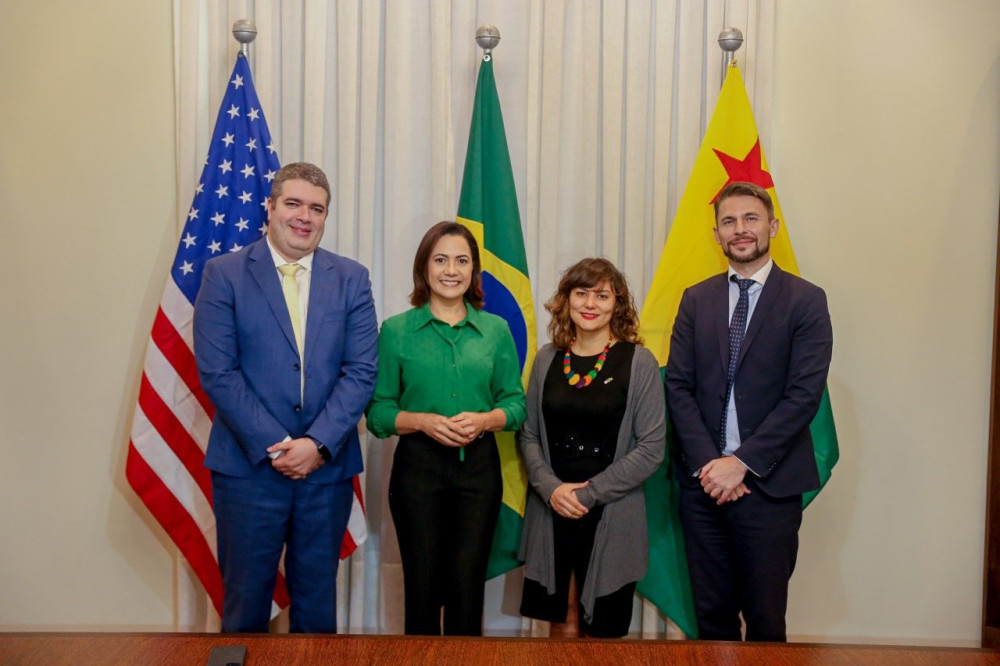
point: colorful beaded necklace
(574, 378)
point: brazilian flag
(488, 207)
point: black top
(582, 424)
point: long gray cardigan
(621, 549)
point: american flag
(172, 422)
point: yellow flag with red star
(730, 152)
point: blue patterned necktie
(737, 329)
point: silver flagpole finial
(730, 40)
(487, 36)
(245, 32)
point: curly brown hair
(589, 273)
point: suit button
(297, 367)
(297, 408)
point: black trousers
(445, 511)
(741, 556)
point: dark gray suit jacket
(780, 379)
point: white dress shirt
(303, 278)
(732, 433)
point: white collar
(305, 262)
(760, 277)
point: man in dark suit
(749, 357)
(285, 337)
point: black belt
(573, 446)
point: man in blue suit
(285, 337)
(749, 357)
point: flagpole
(195, 610)
(730, 40)
(245, 32)
(487, 36)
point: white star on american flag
(253, 114)
(271, 147)
(188, 240)
(269, 176)
(187, 267)
(243, 224)
(252, 144)
(228, 139)
(263, 229)
(219, 218)
(193, 215)
(238, 81)
(223, 191)
(201, 186)
(247, 171)
(226, 166)
(236, 247)
(233, 111)
(246, 197)
(215, 246)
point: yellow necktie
(290, 288)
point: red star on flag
(747, 170)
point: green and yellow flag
(488, 207)
(729, 152)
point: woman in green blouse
(448, 378)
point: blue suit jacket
(780, 378)
(249, 364)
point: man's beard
(758, 252)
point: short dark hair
(421, 289)
(588, 273)
(742, 189)
(310, 173)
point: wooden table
(154, 648)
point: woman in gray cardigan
(595, 431)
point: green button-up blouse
(426, 365)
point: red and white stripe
(166, 454)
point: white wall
(88, 231)
(885, 151)
(886, 155)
